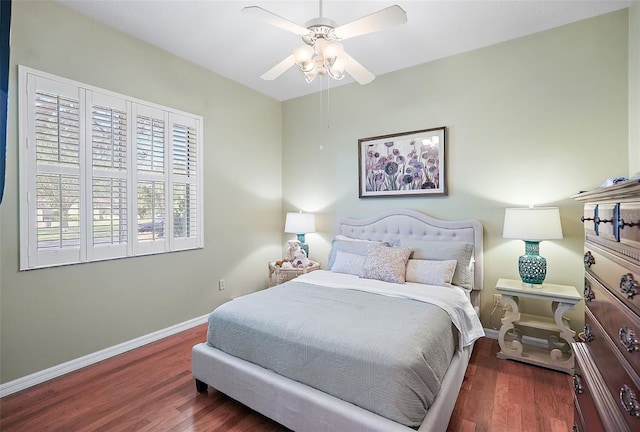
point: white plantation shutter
(57, 127)
(51, 200)
(151, 144)
(109, 177)
(58, 229)
(184, 178)
(104, 175)
(184, 140)
(109, 211)
(109, 137)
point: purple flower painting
(405, 164)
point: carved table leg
(514, 348)
(559, 309)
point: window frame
(31, 81)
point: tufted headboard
(412, 224)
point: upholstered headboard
(412, 224)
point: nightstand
(557, 355)
(277, 274)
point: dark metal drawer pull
(628, 224)
(587, 335)
(577, 385)
(628, 285)
(584, 219)
(589, 259)
(575, 428)
(588, 292)
(628, 339)
(599, 221)
(628, 401)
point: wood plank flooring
(150, 389)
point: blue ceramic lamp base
(532, 267)
(303, 245)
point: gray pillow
(462, 252)
(357, 247)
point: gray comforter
(384, 354)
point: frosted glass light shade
(533, 224)
(300, 223)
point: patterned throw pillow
(388, 264)
(431, 272)
(348, 263)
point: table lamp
(300, 224)
(532, 225)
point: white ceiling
(216, 35)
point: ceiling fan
(322, 53)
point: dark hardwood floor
(151, 389)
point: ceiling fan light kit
(320, 59)
(322, 54)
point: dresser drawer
(616, 320)
(629, 224)
(621, 277)
(597, 409)
(614, 374)
(606, 223)
(585, 415)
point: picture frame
(403, 164)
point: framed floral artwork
(403, 164)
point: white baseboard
(89, 359)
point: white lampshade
(533, 224)
(300, 223)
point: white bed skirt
(305, 409)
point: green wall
(532, 120)
(54, 315)
(634, 88)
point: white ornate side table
(558, 354)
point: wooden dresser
(606, 380)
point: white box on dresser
(607, 377)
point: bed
(327, 387)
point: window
(103, 175)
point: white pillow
(348, 263)
(431, 272)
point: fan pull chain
(325, 113)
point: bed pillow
(357, 247)
(388, 264)
(348, 263)
(431, 272)
(347, 238)
(462, 252)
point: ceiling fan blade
(357, 71)
(385, 18)
(273, 19)
(278, 69)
